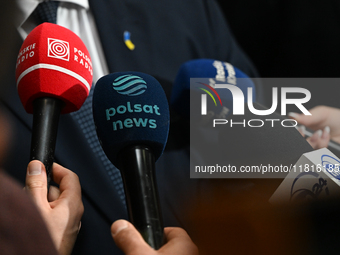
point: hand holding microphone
(54, 75)
(131, 115)
(131, 242)
(62, 209)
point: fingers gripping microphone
(53, 75)
(131, 115)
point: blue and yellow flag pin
(127, 41)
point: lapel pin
(127, 41)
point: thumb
(128, 239)
(36, 182)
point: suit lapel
(109, 17)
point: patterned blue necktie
(46, 12)
(85, 120)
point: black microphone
(51, 81)
(131, 115)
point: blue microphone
(131, 115)
(211, 72)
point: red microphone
(54, 76)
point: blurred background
(289, 38)
(284, 39)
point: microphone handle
(138, 173)
(46, 112)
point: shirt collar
(83, 3)
(26, 7)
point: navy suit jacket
(166, 34)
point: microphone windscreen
(53, 62)
(213, 72)
(130, 108)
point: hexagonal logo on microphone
(58, 49)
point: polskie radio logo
(58, 49)
(231, 96)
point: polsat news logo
(238, 105)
